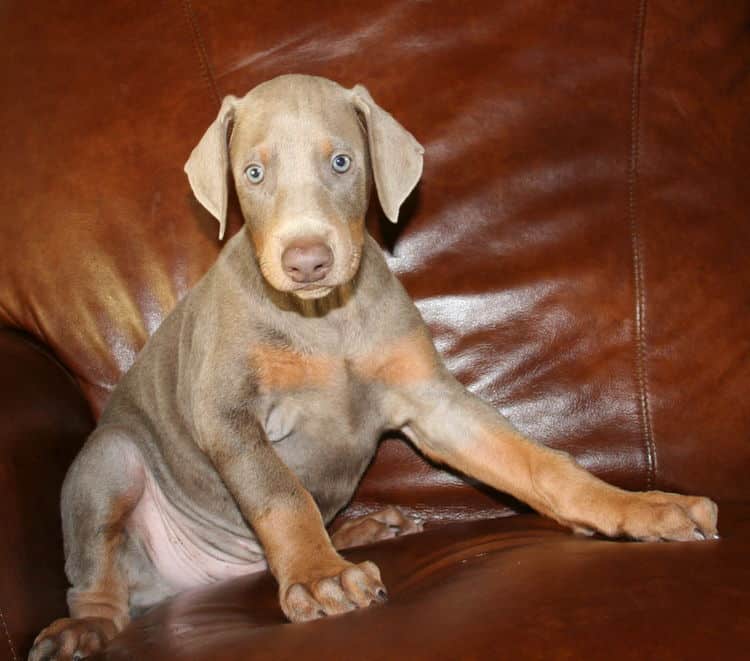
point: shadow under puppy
(249, 417)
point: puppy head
(304, 152)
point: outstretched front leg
(454, 427)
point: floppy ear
(208, 165)
(395, 155)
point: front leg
(454, 427)
(314, 580)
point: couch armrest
(43, 421)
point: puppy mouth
(312, 291)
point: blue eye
(254, 173)
(341, 163)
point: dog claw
(333, 590)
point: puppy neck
(337, 298)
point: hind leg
(385, 524)
(101, 489)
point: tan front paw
(72, 638)
(660, 516)
(333, 592)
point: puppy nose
(307, 261)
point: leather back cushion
(577, 245)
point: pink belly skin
(188, 549)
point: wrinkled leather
(577, 244)
(517, 588)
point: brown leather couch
(578, 244)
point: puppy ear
(395, 155)
(208, 165)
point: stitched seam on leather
(638, 268)
(200, 47)
(7, 636)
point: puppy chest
(302, 426)
(279, 369)
(322, 420)
(326, 443)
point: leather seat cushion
(470, 590)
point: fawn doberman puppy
(250, 416)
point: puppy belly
(187, 548)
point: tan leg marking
(314, 580)
(99, 611)
(387, 523)
(70, 638)
(553, 484)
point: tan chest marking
(406, 361)
(285, 369)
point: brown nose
(307, 261)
